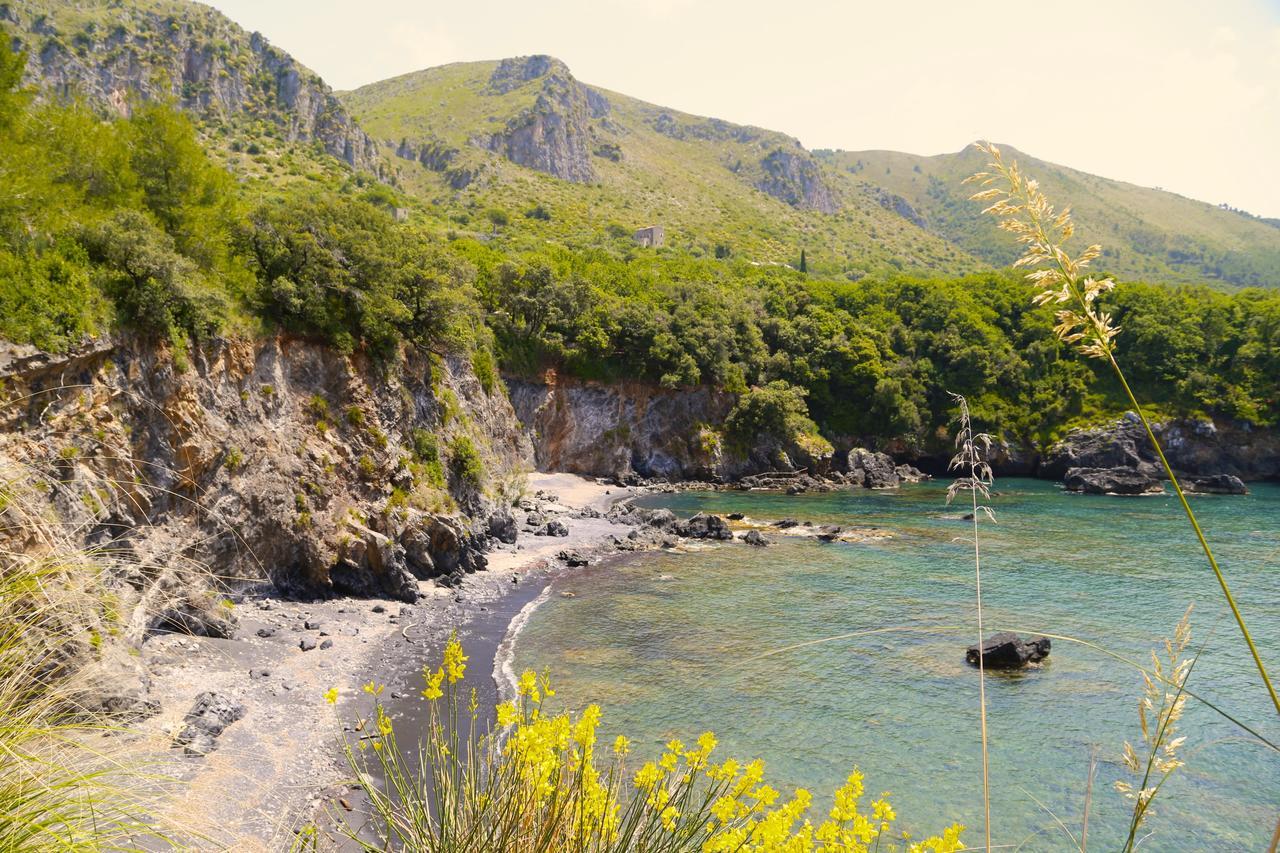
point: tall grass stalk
(975, 478)
(1159, 710)
(540, 783)
(1025, 212)
(63, 785)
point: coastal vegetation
(541, 781)
(101, 231)
(147, 225)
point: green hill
(521, 141)
(1147, 233)
(261, 111)
(525, 136)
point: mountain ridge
(584, 166)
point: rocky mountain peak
(558, 133)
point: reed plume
(1159, 710)
(975, 478)
(1062, 279)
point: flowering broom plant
(540, 781)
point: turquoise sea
(674, 643)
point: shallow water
(672, 645)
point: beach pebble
(326, 644)
(266, 632)
(306, 644)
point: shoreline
(279, 767)
(284, 755)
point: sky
(1178, 94)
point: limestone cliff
(623, 429)
(277, 460)
(794, 176)
(191, 54)
(557, 134)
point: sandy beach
(279, 767)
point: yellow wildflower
(455, 662)
(621, 746)
(433, 680)
(331, 696)
(507, 714)
(648, 776)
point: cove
(675, 643)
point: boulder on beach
(207, 719)
(1111, 481)
(1006, 650)
(554, 527)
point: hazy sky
(1181, 94)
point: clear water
(670, 645)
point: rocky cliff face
(793, 176)
(633, 430)
(630, 430)
(1200, 448)
(193, 55)
(622, 430)
(558, 134)
(276, 460)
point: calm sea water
(670, 645)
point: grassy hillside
(524, 136)
(261, 111)
(696, 177)
(1147, 233)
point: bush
(543, 782)
(466, 469)
(484, 368)
(777, 411)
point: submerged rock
(207, 719)
(1006, 650)
(1111, 481)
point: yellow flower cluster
(544, 782)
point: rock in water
(872, 470)
(208, 717)
(829, 532)
(1111, 481)
(1007, 650)
(573, 558)
(1216, 484)
(705, 526)
(753, 537)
